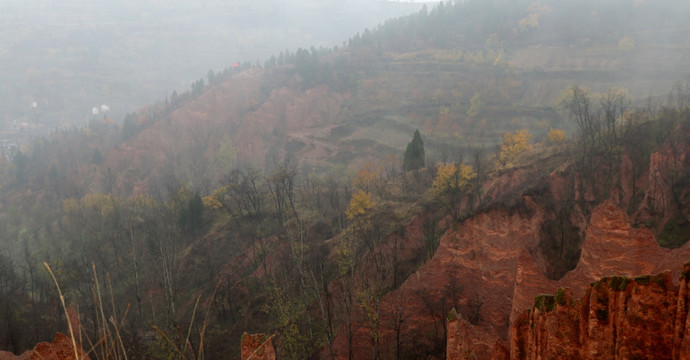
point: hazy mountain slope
(279, 188)
(70, 56)
(391, 93)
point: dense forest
(294, 197)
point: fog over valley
(68, 56)
(344, 179)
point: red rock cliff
(492, 265)
(257, 347)
(61, 348)
(611, 246)
(644, 317)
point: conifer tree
(414, 154)
(96, 158)
(20, 161)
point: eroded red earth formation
(61, 348)
(257, 347)
(489, 254)
(490, 268)
(491, 259)
(644, 317)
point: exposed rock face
(500, 351)
(257, 347)
(492, 265)
(611, 246)
(474, 271)
(490, 260)
(681, 330)
(6, 355)
(645, 317)
(461, 334)
(60, 349)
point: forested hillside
(343, 200)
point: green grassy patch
(560, 297)
(618, 283)
(452, 315)
(545, 302)
(660, 280)
(642, 279)
(685, 274)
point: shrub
(560, 297)
(545, 302)
(642, 280)
(618, 283)
(513, 146)
(556, 136)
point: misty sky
(69, 56)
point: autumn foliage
(556, 136)
(514, 144)
(451, 183)
(359, 204)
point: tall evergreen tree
(96, 158)
(20, 161)
(414, 154)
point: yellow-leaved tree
(357, 212)
(556, 136)
(360, 203)
(450, 185)
(213, 201)
(513, 146)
